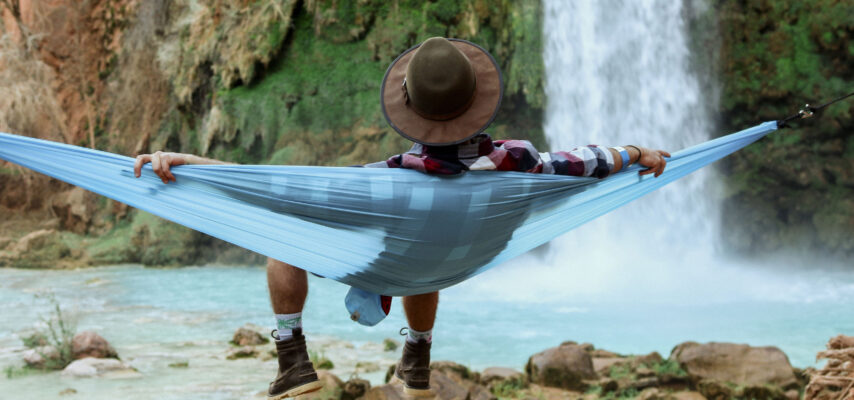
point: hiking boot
(296, 374)
(414, 368)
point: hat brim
(489, 90)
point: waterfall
(617, 73)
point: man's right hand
(161, 162)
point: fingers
(661, 167)
(140, 160)
(658, 167)
(160, 165)
(167, 161)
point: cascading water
(617, 73)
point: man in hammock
(442, 95)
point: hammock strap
(808, 111)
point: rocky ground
(692, 371)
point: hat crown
(440, 80)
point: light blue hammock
(384, 230)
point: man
(441, 94)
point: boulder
(602, 365)
(566, 366)
(497, 374)
(244, 336)
(835, 343)
(392, 391)
(331, 388)
(355, 388)
(740, 364)
(90, 344)
(99, 367)
(39, 357)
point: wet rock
(740, 364)
(99, 367)
(90, 344)
(245, 336)
(355, 388)
(566, 366)
(68, 391)
(241, 352)
(41, 357)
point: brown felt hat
(441, 92)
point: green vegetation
(796, 186)
(508, 388)
(668, 367)
(319, 359)
(316, 101)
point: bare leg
(421, 310)
(288, 287)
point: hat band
(440, 117)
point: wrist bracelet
(640, 153)
(624, 154)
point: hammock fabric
(384, 230)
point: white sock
(286, 323)
(414, 336)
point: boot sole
(301, 389)
(413, 391)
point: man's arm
(161, 162)
(652, 159)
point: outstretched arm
(161, 162)
(601, 162)
(652, 159)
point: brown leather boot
(414, 368)
(296, 374)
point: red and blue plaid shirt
(481, 153)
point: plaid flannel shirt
(481, 153)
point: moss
(776, 56)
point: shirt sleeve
(591, 160)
